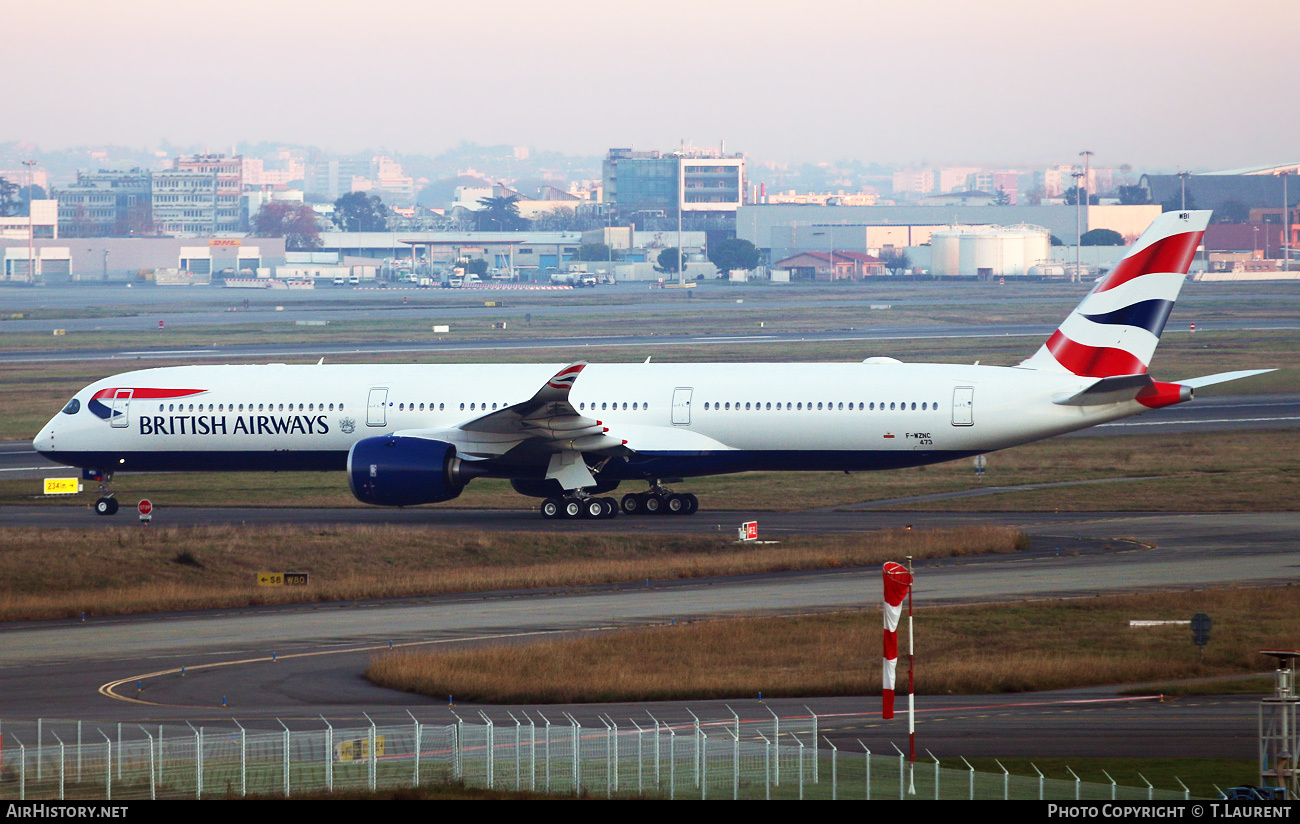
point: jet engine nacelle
(399, 471)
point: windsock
(897, 582)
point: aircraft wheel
(633, 504)
(692, 504)
(552, 508)
(675, 505)
(611, 507)
(593, 508)
(572, 508)
(653, 505)
(106, 506)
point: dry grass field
(53, 573)
(960, 650)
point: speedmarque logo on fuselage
(242, 425)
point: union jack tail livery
(1115, 329)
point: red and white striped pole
(898, 582)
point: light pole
(1182, 177)
(31, 271)
(1078, 227)
(1286, 226)
(1087, 178)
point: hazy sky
(1156, 83)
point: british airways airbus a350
(418, 434)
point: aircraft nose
(44, 440)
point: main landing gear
(660, 501)
(573, 506)
(657, 501)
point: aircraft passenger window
(841, 404)
(603, 406)
(891, 406)
(819, 406)
(462, 407)
(625, 404)
(728, 406)
(706, 406)
(471, 407)
(72, 407)
(746, 407)
(401, 407)
(769, 406)
(441, 406)
(913, 406)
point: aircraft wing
(546, 424)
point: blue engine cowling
(398, 471)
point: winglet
(565, 377)
(557, 388)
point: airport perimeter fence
(773, 758)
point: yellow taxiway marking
(109, 689)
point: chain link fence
(527, 750)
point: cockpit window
(73, 407)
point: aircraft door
(963, 406)
(121, 408)
(377, 408)
(682, 406)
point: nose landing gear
(105, 504)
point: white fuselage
(685, 419)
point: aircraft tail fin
(1115, 329)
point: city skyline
(934, 82)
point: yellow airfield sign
(282, 579)
(62, 486)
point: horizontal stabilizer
(1109, 390)
(1223, 377)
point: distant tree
(500, 214)
(595, 252)
(295, 222)
(1001, 198)
(897, 262)
(1056, 241)
(561, 219)
(1072, 197)
(359, 212)
(10, 202)
(1232, 211)
(1175, 202)
(1133, 196)
(477, 266)
(668, 261)
(1101, 237)
(734, 253)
